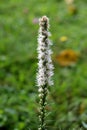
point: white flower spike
(45, 68)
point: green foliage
(18, 65)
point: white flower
(45, 67)
(40, 90)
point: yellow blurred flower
(69, 1)
(72, 9)
(63, 39)
(67, 57)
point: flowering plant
(45, 67)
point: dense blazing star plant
(45, 68)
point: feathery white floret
(45, 67)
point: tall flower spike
(45, 67)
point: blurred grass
(18, 65)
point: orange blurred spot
(67, 57)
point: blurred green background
(67, 100)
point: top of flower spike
(44, 21)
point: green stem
(42, 107)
